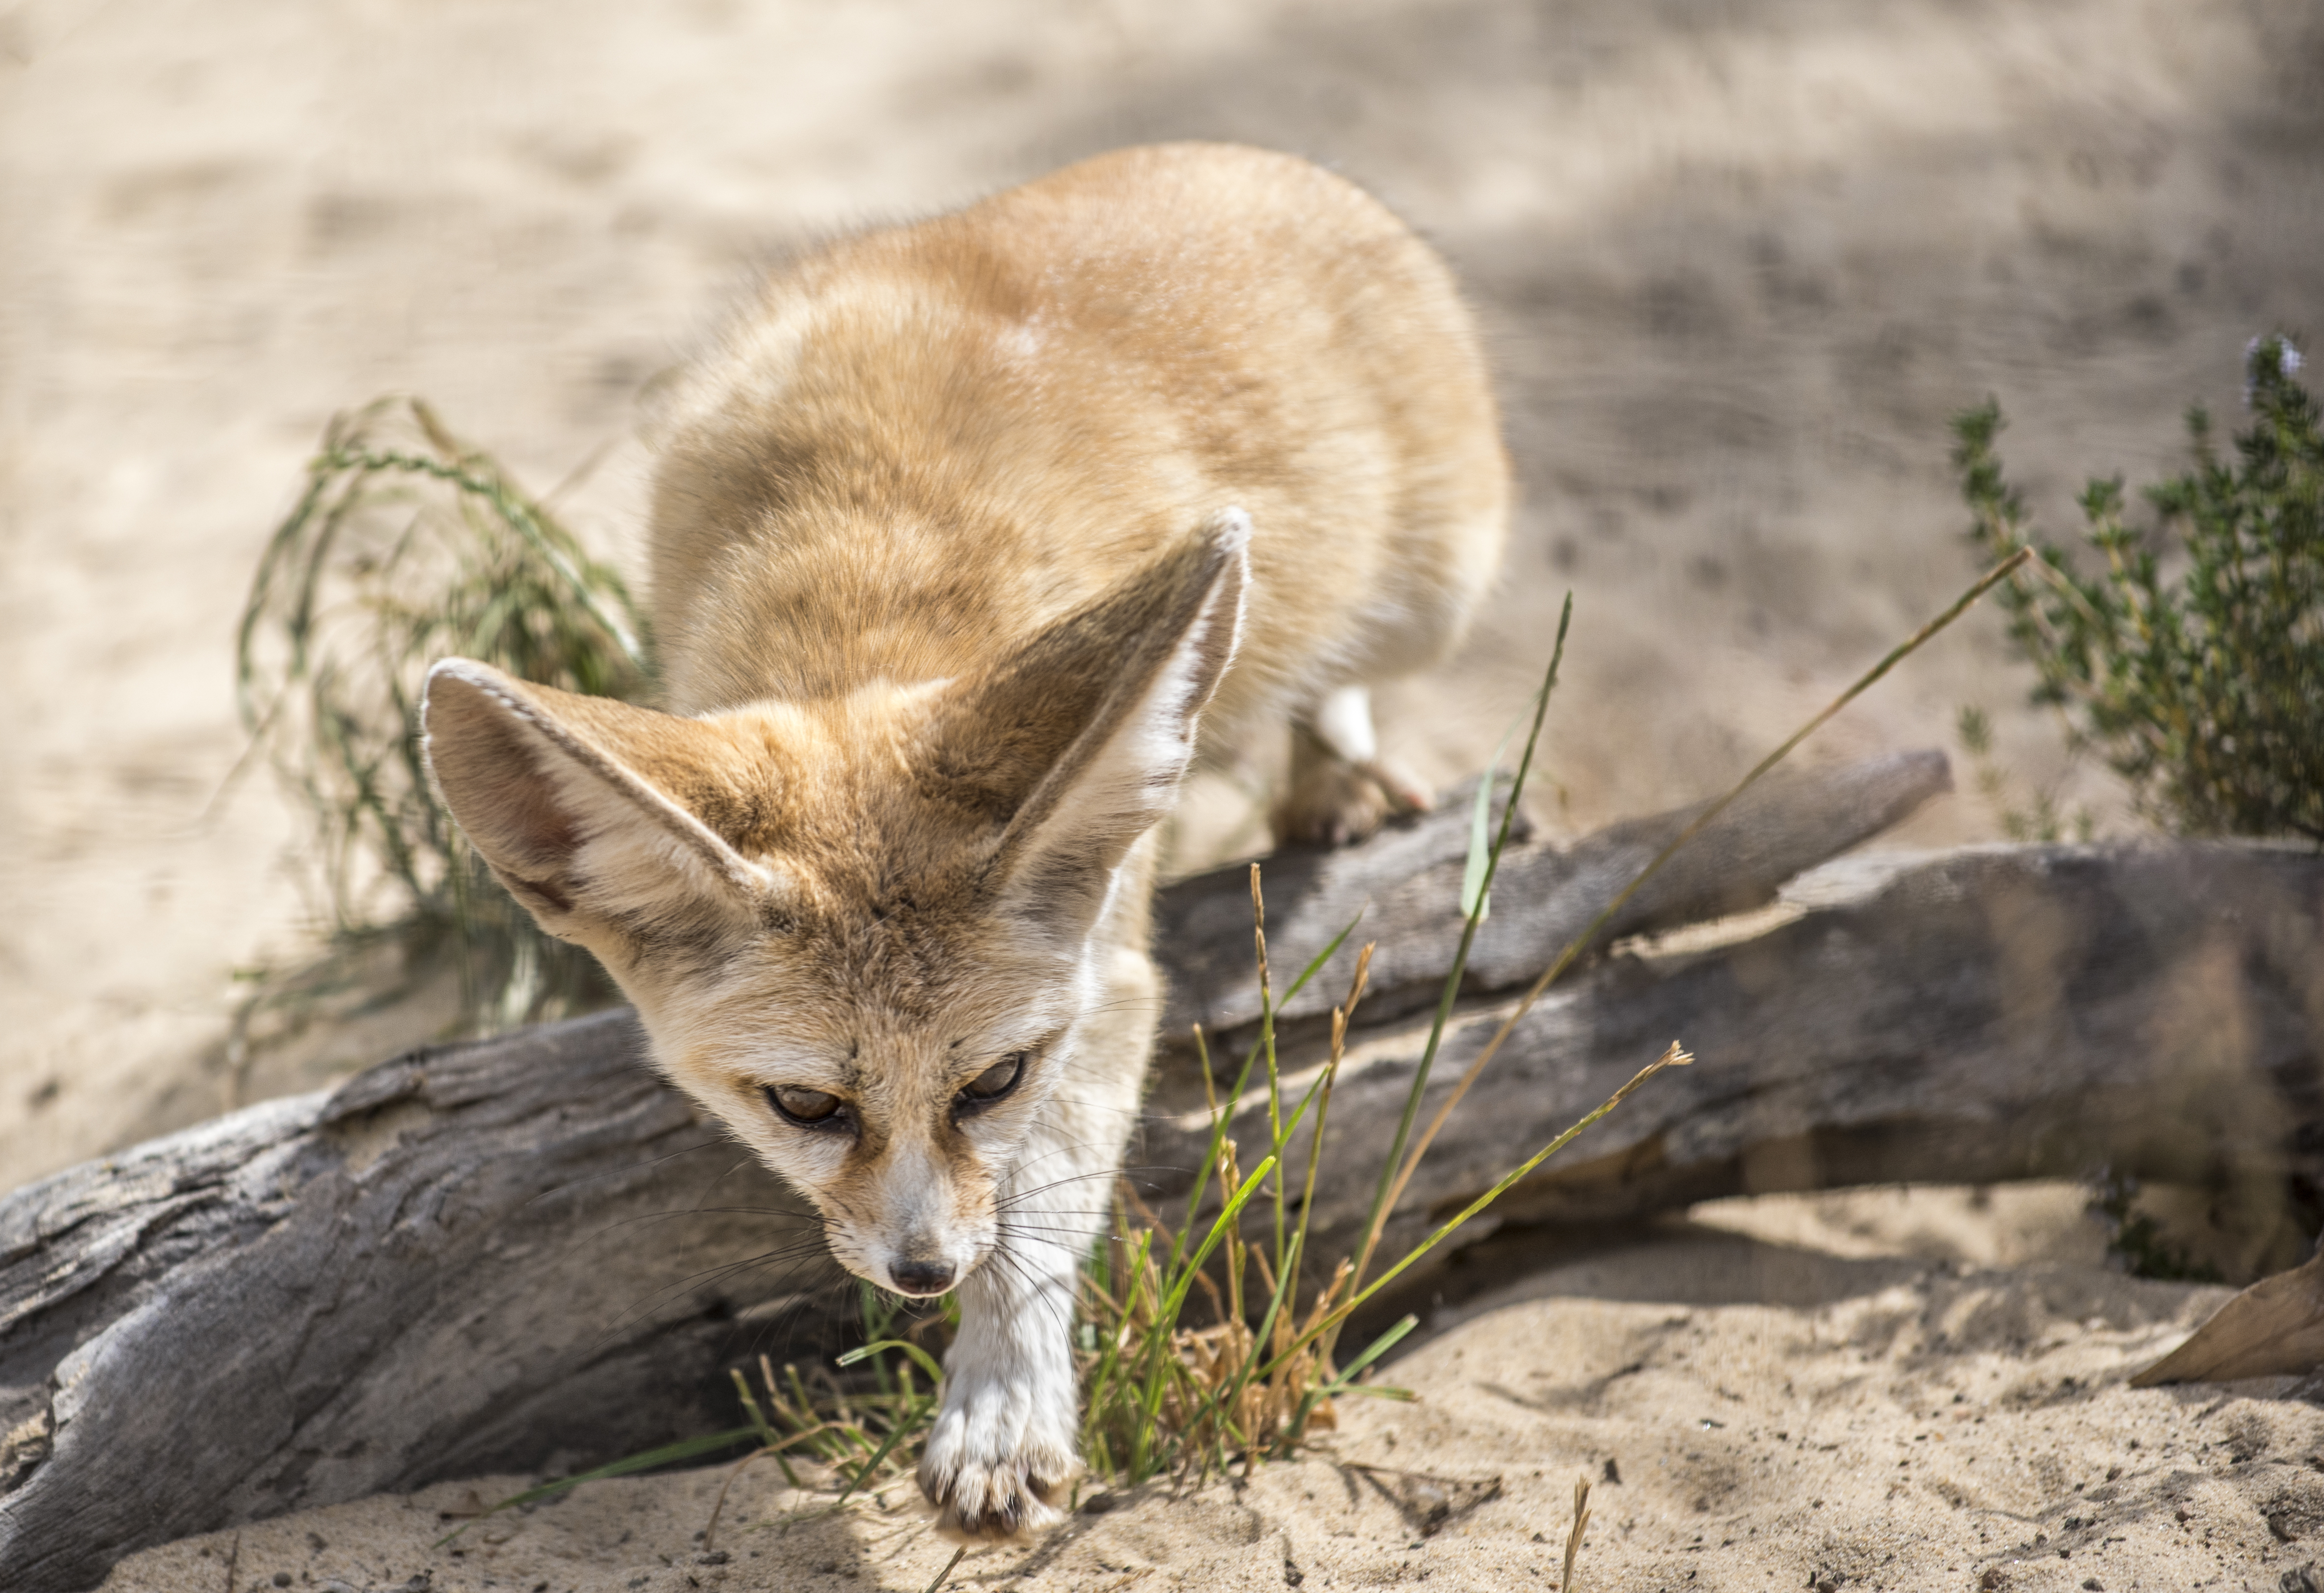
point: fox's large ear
(557, 791)
(1073, 746)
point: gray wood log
(458, 1263)
(1991, 1014)
(528, 1252)
(1403, 890)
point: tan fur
(956, 545)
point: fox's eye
(809, 1109)
(993, 1083)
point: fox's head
(861, 930)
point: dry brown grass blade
(1573, 1538)
(710, 1529)
(946, 1575)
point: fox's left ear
(580, 805)
(1075, 746)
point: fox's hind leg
(1341, 788)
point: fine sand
(1872, 1405)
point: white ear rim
(1229, 532)
(1132, 781)
(1229, 528)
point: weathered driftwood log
(1403, 890)
(457, 1260)
(2273, 1327)
(1984, 1015)
(479, 1258)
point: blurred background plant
(2034, 816)
(2192, 659)
(407, 545)
(2136, 1241)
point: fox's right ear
(1074, 747)
(553, 789)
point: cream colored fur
(975, 534)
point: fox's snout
(926, 1260)
(915, 1219)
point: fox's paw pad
(1336, 804)
(993, 1474)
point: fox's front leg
(1006, 1445)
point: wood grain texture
(459, 1262)
(1406, 883)
(528, 1252)
(1978, 1015)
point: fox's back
(927, 443)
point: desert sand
(1912, 1390)
(1738, 262)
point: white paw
(1001, 1455)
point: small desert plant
(2136, 1243)
(2038, 817)
(405, 546)
(2196, 670)
(1161, 1397)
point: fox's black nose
(921, 1277)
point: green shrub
(2193, 660)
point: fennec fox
(954, 545)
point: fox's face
(861, 931)
(887, 1061)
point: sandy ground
(1900, 1389)
(1739, 261)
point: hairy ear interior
(1075, 746)
(548, 787)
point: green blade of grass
(1223, 1400)
(870, 1468)
(927, 1363)
(1373, 1352)
(1212, 1150)
(1374, 1391)
(750, 1407)
(1174, 1303)
(1287, 1275)
(1345, 1382)
(1474, 902)
(1267, 1048)
(1673, 1057)
(1176, 1299)
(1384, 1196)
